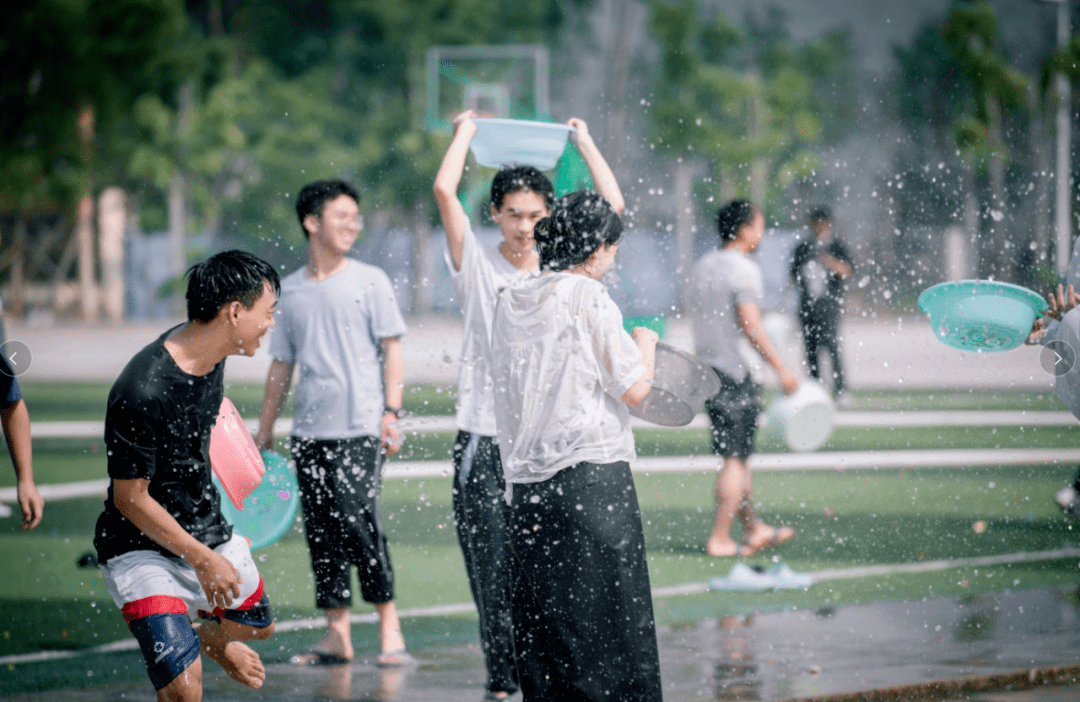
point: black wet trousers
(821, 329)
(340, 480)
(481, 515)
(583, 616)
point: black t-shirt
(157, 427)
(815, 281)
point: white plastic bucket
(517, 142)
(805, 418)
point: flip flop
(779, 535)
(398, 658)
(316, 657)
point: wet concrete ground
(934, 649)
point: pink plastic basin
(233, 455)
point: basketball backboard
(508, 80)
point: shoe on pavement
(743, 578)
(784, 578)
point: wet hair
(820, 214)
(732, 217)
(224, 278)
(314, 196)
(521, 179)
(579, 224)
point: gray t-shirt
(721, 281)
(331, 329)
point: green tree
(72, 69)
(995, 87)
(747, 103)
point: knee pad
(257, 616)
(169, 644)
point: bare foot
(335, 644)
(721, 548)
(241, 663)
(765, 536)
(391, 640)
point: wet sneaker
(743, 578)
(784, 578)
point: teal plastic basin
(981, 315)
(271, 508)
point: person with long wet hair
(565, 376)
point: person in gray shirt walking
(725, 295)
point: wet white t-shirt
(561, 362)
(721, 281)
(484, 272)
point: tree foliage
(736, 94)
(246, 100)
(61, 57)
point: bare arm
(646, 341)
(836, 265)
(218, 577)
(278, 380)
(750, 321)
(603, 177)
(394, 382)
(447, 180)
(16, 421)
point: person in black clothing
(819, 268)
(165, 549)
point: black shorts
(733, 413)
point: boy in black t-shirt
(165, 549)
(16, 423)
(819, 267)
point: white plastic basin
(517, 142)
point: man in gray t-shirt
(725, 294)
(340, 328)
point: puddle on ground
(749, 657)
(817, 652)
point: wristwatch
(398, 412)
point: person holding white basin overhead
(520, 197)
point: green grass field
(86, 401)
(844, 519)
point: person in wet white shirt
(520, 196)
(565, 374)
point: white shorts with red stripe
(142, 583)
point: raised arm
(447, 181)
(278, 380)
(601, 173)
(750, 321)
(16, 421)
(394, 384)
